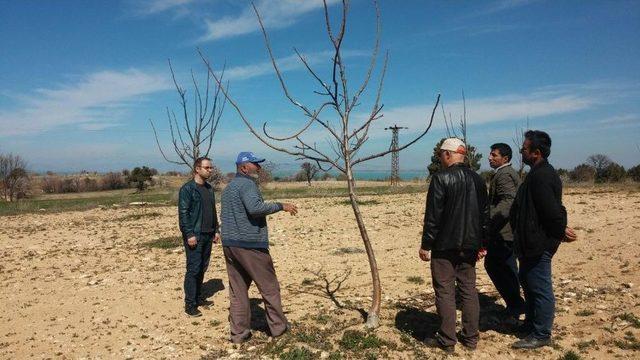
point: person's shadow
(211, 287)
(417, 322)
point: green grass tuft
(570, 355)
(585, 312)
(298, 353)
(415, 280)
(357, 340)
(169, 242)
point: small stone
(324, 355)
(628, 285)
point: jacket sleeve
(184, 213)
(254, 204)
(505, 190)
(483, 206)
(551, 213)
(433, 213)
(216, 223)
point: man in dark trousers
(245, 243)
(539, 224)
(199, 227)
(455, 227)
(500, 261)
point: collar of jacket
(192, 184)
(541, 164)
(457, 164)
(245, 176)
(503, 166)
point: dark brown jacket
(502, 190)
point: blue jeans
(197, 264)
(535, 277)
(502, 268)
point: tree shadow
(416, 322)
(211, 287)
(326, 287)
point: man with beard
(539, 224)
(199, 227)
(245, 243)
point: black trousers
(502, 268)
(197, 264)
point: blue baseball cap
(248, 156)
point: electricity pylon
(395, 159)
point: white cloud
(500, 6)
(275, 14)
(99, 99)
(484, 110)
(152, 7)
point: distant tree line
(599, 168)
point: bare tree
(344, 139)
(600, 163)
(194, 138)
(14, 179)
(310, 171)
(518, 141)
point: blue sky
(80, 80)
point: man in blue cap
(245, 243)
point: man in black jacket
(539, 224)
(500, 261)
(199, 228)
(455, 229)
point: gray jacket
(502, 192)
(243, 215)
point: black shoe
(192, 311)
(467, 344)
(530, 342)
(434, 343)
(205, 303)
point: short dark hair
(539, 140)
(199, 161)
(504, 149)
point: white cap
(455, 145)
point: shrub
(634, 173)
(583, 173)
(112, 181)
(614, 173)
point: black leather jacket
(457, 213)
(190, 210)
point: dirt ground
(85, 285)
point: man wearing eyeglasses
(199, 227)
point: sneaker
(530, 342)
(192, 311)
(434, 343)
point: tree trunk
(373, 317)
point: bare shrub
(112, 181)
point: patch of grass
(299, 353)
(570, 355)
(585, 312)
(583, 345)
(630, 318)
(355, 340)
(415, 280)
(81, 203)
(628, 343)
(214, 323)
(307, 282)
(348, 250)
(169, 242)
(134, 217)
